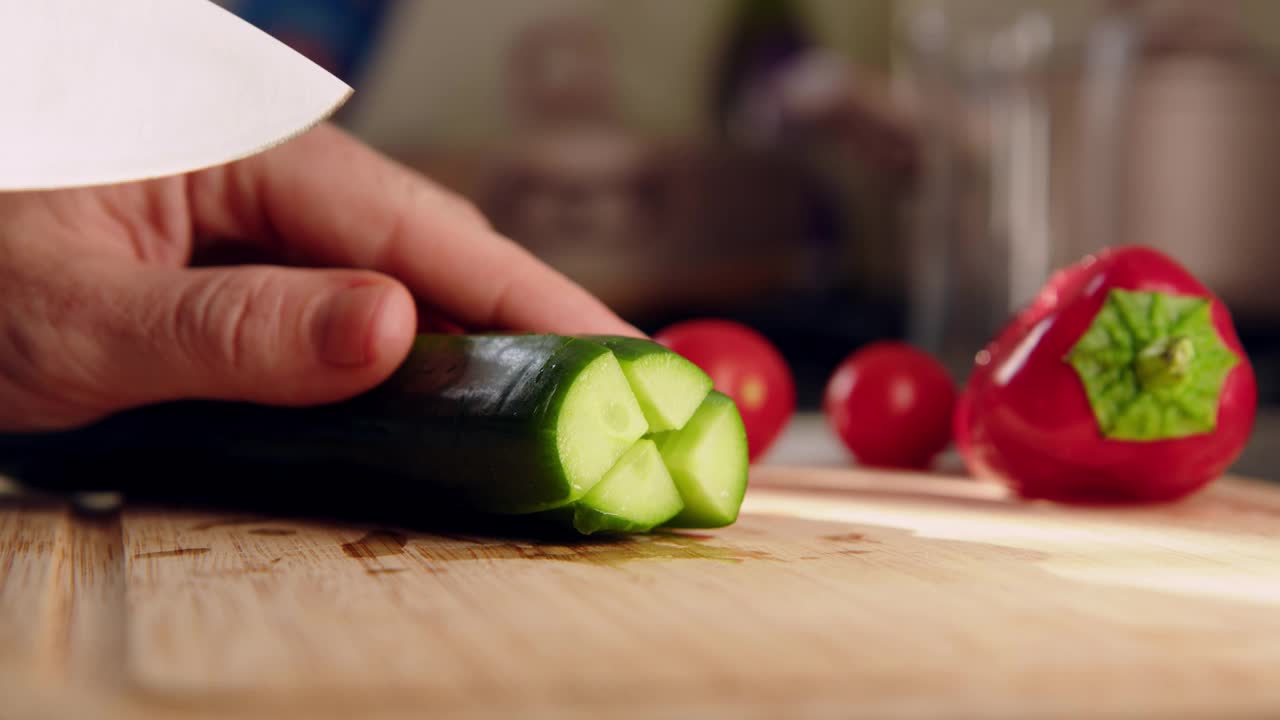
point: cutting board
(839, 593)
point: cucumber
(636, 495)
(496, 423)
(708, 461)
(552, 427)
(668, 387)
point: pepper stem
(1153, 365)
(1164, 363)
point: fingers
(328, 199)
(267, 335)
(135, 336)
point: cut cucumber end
(708, 462)
(668, 387)
(599, 420)
(636, 495)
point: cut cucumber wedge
(707, 459)
(636, 495)
(668, 387)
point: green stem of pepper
(1152, 365)
(1164, 363)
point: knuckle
(232, 320)
(46, 380)
(24, 356)
(428, 212)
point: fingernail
(354, 324)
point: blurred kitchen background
(833, 172)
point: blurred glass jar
(1047, 130)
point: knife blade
(107, 91)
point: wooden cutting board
(838, 593)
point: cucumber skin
(626, 347)
(466, 419)
(582, 519)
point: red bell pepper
(1122, 381)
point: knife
(107, 91)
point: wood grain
(874, 595)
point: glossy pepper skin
(1028, 418)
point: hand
(101, 308)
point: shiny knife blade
(105, 91)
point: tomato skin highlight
(1025, 418)
(744, 365)
(891, 405)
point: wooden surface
(837, 594)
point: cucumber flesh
(636, 495)
(668, 387)
(708, 461)
(598, 422)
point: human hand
(103, 306)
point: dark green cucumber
(708, 461)
(668, 386)
(499, 423)
(636, 495)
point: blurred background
(833, 172)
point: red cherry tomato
(891, 404)
(744, 365)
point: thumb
(258, 334)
